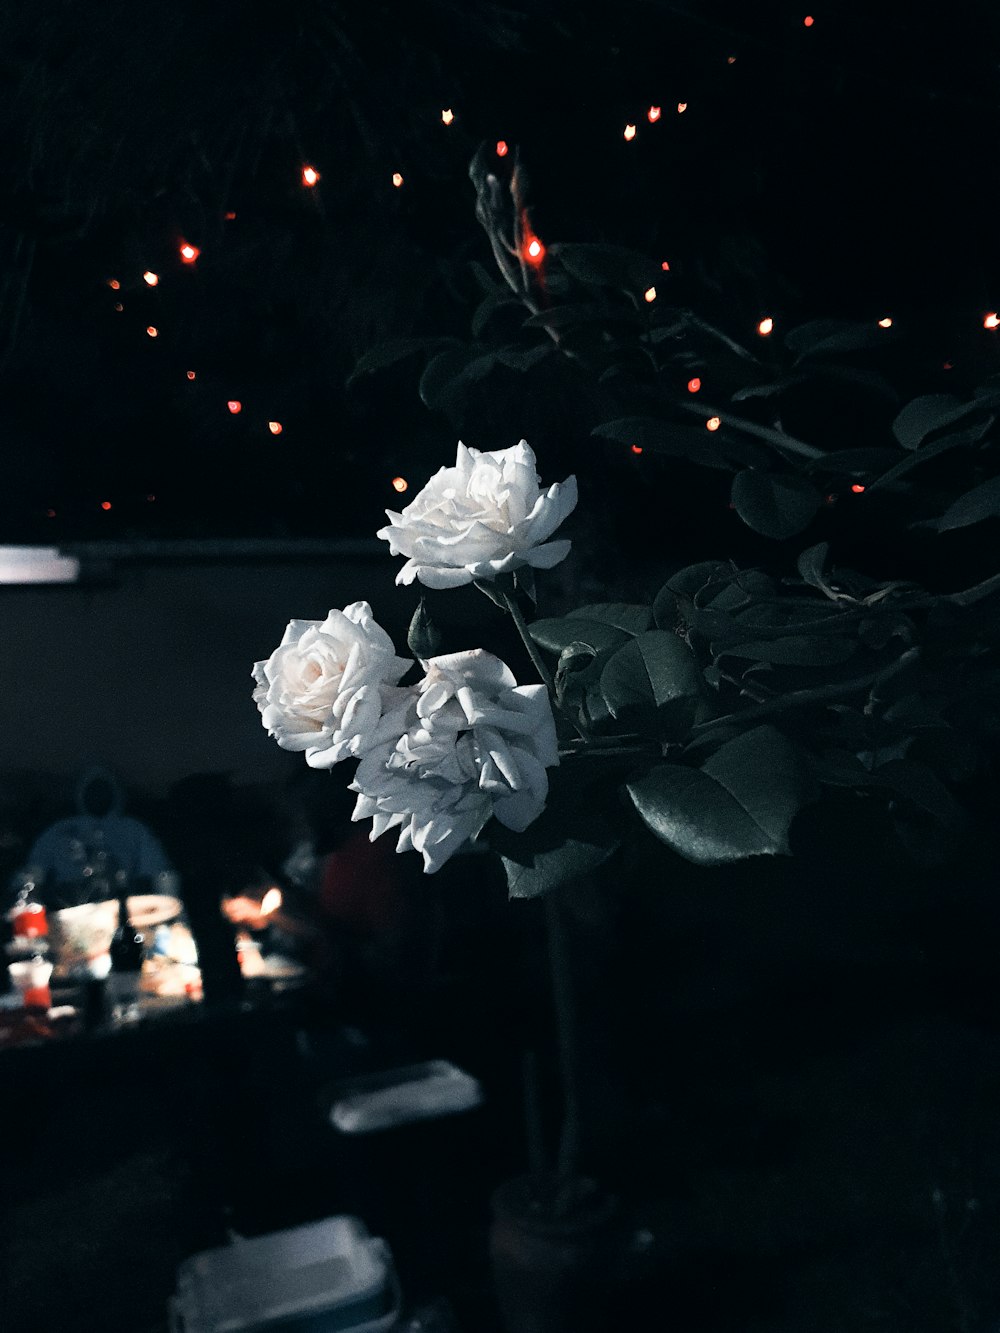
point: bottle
(126, 960)
(28, 920)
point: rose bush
(485, 516)
(325, 688)
(467, 743)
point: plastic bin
(325, 1277)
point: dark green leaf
(740, 803)
(923, 787)
(933, 412)
(569, 316)
(607, 266)
(390, 353)
(524, 358)
(445, 375)
(490, 306)
(796, 650)
(957, 440)
(623, 615)
(974, 506)
(811, 564)
(423, 637)
(774, 504)
(491, 591)
(568, 840)
(654, 676)
(855, 462)
(710, 449)
(556, 633)
(833, 336)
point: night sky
(843, 167)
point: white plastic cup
(31, 980)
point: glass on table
(31, 979)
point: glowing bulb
(730, 60)
(765, 326)
(191, 375)
(629, 133)
(105, 504)
(637, 448)
(808, 21)
(397, 179)
(713, 423)
(400, 484)
(189, 253)
(151, 279)
(118, 306)
(447, 116)
(653, 114)
(152, 330)
(649, 295)
(309, 176)
(230, 216)
(501, 148)
(150, 499)
(534, 251)
(271, 901)
(992, 320)
(681, 108)
(275, 427)
(857, 488)
(885, 323)
(235, 406)
(114, 284)
(694, 385)
(665, 266)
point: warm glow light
(150, 498)
(309, 176)
(400, 484)
(105, 504)
(948, 365)
(114, 284)
(397, 179)
(713, 423)
(765, 326)
(534, 251)
(857, 488)
(694, 385)
(649, 295)
(992, 320)
(730, 60)
(665, 266)
(885, 323)
(50, 513)
(191, 375)
(235, 406)
(152, 330)
(189, 253)
(681, 107)
(275, 427)
(230, 216)
(271, 901)
(653, 114)
(501, 148)
(637, 448)
(808, 20)
(150, 278)
(447, 116)
(629, 132)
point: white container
(325, 1277)
(402, 1097)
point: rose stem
(562, 994)
(537, 659)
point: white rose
(469, 743)
(482, 517)
(325, 689)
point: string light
(150, 499)
(400, 484)
(681, 108)
(309, 176)
(114, 284)
(447, 116)
(191, 375)
(637, 448)
(275, 427)
(649, 295)
(765, 326)
(992, 320)
(189, 252)
(397, 179)
(502, 148)
(857, 488)
(105, 505)
(152, 330)
(808, 21)
(730, 60)
(235, 406)
(885, 323)
(629, 133)
(653, 114)
(151, 279)
(665, 266)
(534, 251)
(694, 384)
(713, 423)
(230, 216)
